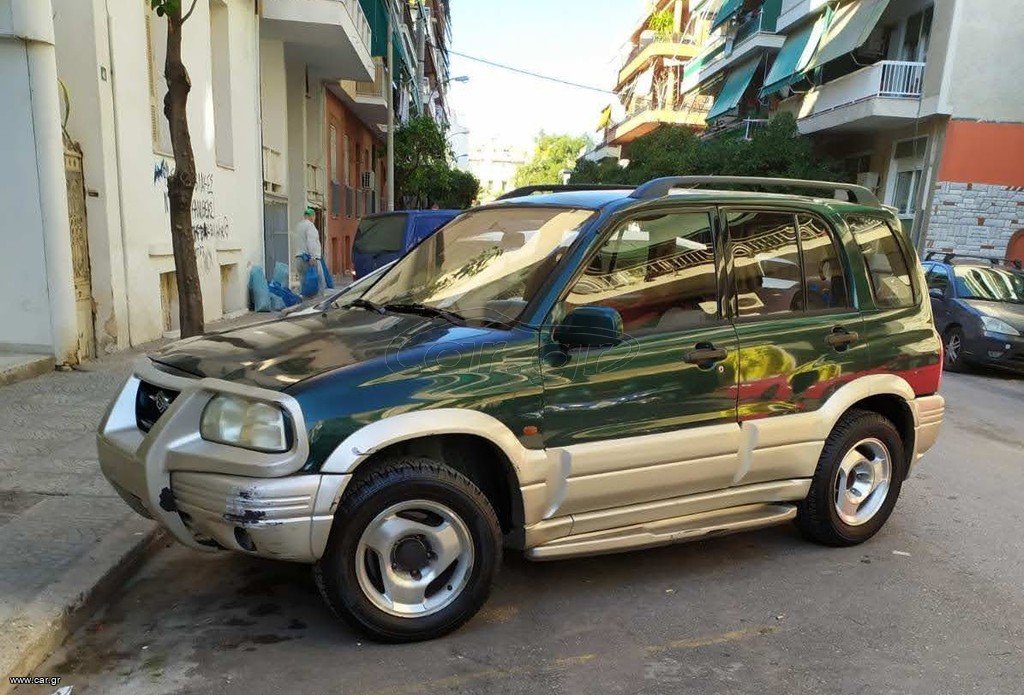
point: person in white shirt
(308, 238)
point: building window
(220, 67)
(908, 40)
(332, 168)
(347, 162)
(156, 55)
(908, 167)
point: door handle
(840, 338)
(706, 354)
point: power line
(531, 74)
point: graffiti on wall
(207, 226)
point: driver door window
(657, 271)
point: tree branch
(189, 13)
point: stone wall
(974, 218)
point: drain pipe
(120, 174)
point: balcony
(882, 95)
(751, 37)
(689, 111)
(333, 36)
(368, 99)
(678, 46)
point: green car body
(606, 444)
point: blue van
(386, 237)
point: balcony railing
(375, 88)
(677, 38)
(753, 25)
(355, 11)
(315, 183)
(752, 125)
(273, 170)
(886, 78)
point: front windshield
(990, 284)
(485, 265)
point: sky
(576, 40)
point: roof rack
(658, 188)
(561, 188)
(948, 259)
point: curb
(64, 607)
(35, 365)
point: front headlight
(994, 325)
(245, 423)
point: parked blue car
(383, 238)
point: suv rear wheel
(413, 552)
(857, 481)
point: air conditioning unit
(369, 179)
(869, 180)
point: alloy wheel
(414, 558)
(862, 482)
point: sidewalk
(67, 540)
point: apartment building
(494, 163)
(915, 98)
(652, 83)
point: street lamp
(461, 78)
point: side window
(937, 279)
(658, 272)
(891, 280)
(766, 262)
(823, 267)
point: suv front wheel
(857, 481)
(413, 552)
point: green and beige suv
(566, 373)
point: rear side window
(380, 235)
(426, 225)
(892, 282)
(784, 263)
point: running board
(680, 529)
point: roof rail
(948, 258)
(657, 188)
(561, 188)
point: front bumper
(210, 495)
(996, 350)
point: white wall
(227, 210)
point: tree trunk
(181, 184)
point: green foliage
(423, 173)
(661, 23)
(164, 7)
(551, 155)
(777, 150)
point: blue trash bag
(279, 291)
(276, 303)
(310, 281)
(259, 291)
(328, 280)
(280, 274)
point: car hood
(1013, 314)
(277, 354)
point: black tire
(954, 365)
(817, 517)
(391, 482)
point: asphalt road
(934, 604)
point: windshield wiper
(424, 310)
(360, 303)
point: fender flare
(371, 438)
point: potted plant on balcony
(661, 23)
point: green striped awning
(728, 11)
(732, 91)
(793, 57)
(848, 29)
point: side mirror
(936, 293)
(589, 327)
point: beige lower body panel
(568, 527)
(666, 531)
